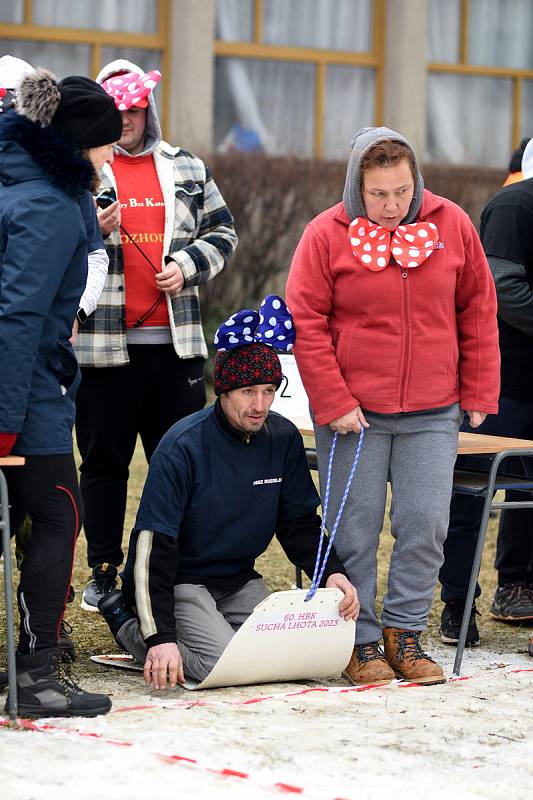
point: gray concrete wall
(191, 104)
(405, 70)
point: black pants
(113, 405)
(46, 488)
(514, 549)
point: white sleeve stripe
(142, 592)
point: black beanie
(76, 107)
(85, 114)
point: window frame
(463, 67)
(97, 39)
(320, 59)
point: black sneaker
(450, 624)
(513, 603)
(103, 581)
(115, 611)
(46, 688)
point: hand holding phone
(106, 197)
(109, 218)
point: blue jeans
(514, 551)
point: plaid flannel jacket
(199, 235)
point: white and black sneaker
(46, 688)
(102, 582)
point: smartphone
(105, 197)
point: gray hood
(363, 140)
(153, 134)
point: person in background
(395, 310)
(50, 148)
(142, 352)
(221, 483)
(515, 164)
(507, 237)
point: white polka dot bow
(129, 89)
(373, 245)
(273, 325)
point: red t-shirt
(143, 216)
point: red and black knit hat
(248, 365)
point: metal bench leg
(469, 602)
(8, 593)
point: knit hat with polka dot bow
(129, 90)
(246, 343)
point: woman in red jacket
(395, 311)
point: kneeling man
(221, 483)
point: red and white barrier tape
(169, 758)
(245, 701)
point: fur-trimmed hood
(29, 152)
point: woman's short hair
(388, 153)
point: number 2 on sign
(284, 387)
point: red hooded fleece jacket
(400, 339)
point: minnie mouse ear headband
(7, 99)
(246, 343)
(130, 90)
(12, 72)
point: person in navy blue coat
(50, 148)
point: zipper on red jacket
(406, 355)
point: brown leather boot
(406, 657)
(368, 665)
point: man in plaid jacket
(142, 352)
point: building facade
(299, 77)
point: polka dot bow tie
(373, 245)
(272, 325)
(129, 90)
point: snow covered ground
(469, 738)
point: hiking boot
(45, 688)
(103, 581)
(65, 645)
(513, 603)
(450, 624)
(368, 665)
(406, 657)
(115, 611)
(530, 646)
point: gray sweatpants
(206, 619)
(416, 453)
